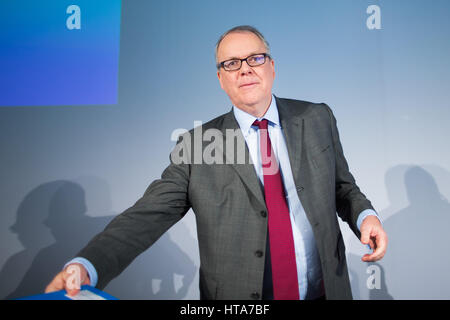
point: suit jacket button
(259, 253)
(255, 295)
(263, 213)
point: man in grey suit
(230, 197)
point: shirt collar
(245, 120)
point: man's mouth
(248, 85)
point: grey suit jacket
(231, 216)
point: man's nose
(245, 68)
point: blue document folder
(86, 293)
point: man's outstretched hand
(373, 234)
(70, 279)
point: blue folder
(62, 295)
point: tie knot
(261, 124)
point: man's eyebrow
(252, 53)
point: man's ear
(273, 67)
(220, 79)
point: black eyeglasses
(235, 64)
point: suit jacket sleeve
(163, 204)
(350, 201)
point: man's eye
(256, 59)
(231, 63)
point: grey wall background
(67, 170)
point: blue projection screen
(58, 52)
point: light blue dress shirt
(307, 257)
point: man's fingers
(380, 246)
(86, 281)
(372, 234)
(368, 232)
(375, 256)
(367, 258)
(75, 276)
(372, 244)
(365, 235)
(70, 279)
(56, 284)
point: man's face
(249, 88)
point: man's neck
(258, 110)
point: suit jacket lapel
(246, 170)
(292, 125)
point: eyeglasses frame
(266, 55)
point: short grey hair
(243, 28)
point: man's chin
(251, 100)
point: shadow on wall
(164, 272)
(58, 209)
(417, 261)
(367, 282)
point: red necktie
(282, 250)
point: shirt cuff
(365, 214)
(93, 277)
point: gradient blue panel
(43, 62)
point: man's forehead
(240, 45)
